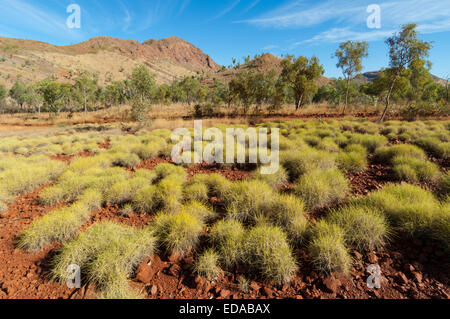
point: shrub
(276, 180)
(364, 227)
(207, 265)
(327, 248)
(322, 188)
(216, 183)
(266, 251)
(178, 233)
(409, 207)
(246, 199)
(227, 236)
(300, 162)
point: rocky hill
(111, 58)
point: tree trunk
(346, 96)
(388, 97)
(299, 102)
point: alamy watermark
(231, 149)
(74, 278)
(74, 19)
(374, 19)
(374, 280)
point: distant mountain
(372, 76)
(111, 58)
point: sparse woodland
(404, 88)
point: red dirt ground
(410, 269)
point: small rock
(254, 285)
(372, 258)
(418, 277)
(332, 284)
(401, 278)
(154, 290)
(224, 293)
(357, 255)
(268, 292)
(144, 273)
(174, 270)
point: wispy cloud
(39, 19)
(127, 18)
(226, 10)
(347, 20)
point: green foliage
(300, 75)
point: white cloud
(348, 20)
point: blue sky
(237, 28)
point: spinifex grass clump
(227, 237)
(364, 227)
(247, 199)
(266, 251)
(57, 226)
(20, 175)
(369, 141)
(409, 207)
(197, 192)
(319, 189)
(444, 185)
(288, 212)
(327, 248)
(275, 180)
(387, 154)
(353, 159)
(124, 191)
(107, 254)
(207, 265)
(300, 162)
(178, 233)
(217, 184)
(414, 170)
(434, 146)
